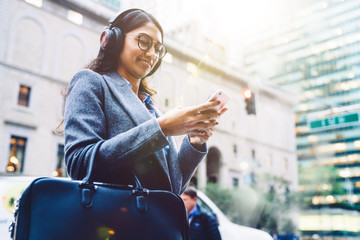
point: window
(24, 96)
(60, 170)
(253, 154)
(17, 154)
(75, 17)
(112, 3)
(235, 150)
(204, 206)
(235, 182)
(286, 164)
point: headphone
(112, 38)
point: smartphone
(221, 96)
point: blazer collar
(120, 89)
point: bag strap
(79, 162)
(87, 185)
(88, 179)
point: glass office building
(315, 53)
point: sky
(229, 23)
(220, 17)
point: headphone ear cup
(118, 38)
(112, 39)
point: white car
(229, 230)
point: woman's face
(135, 63)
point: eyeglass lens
(145, 43)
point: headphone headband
(114, 20)
(126, 14)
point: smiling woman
(110, 102)
(110, 118)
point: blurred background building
(315, 54)
(44, 42)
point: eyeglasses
(145, 42)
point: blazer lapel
(137, 111)
(122, 91)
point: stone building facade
(43, 43)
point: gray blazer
(104, 108)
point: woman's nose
(151, 52)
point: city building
(315, 53)
(46, 41)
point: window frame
(22, 161)
(56, 162)
(14, 129)
(28, 108)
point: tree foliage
(321, 180)
(267, 209)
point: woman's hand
(190, 120)
(199, 137)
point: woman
(110, 102)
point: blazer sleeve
(189, 159)
(85, 124)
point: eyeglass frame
(150, 46)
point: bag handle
(88, 179)
(87, 184)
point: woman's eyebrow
(149, 36)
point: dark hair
(108, 61)
(190, 191)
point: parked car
(10, 190)
(228, 229)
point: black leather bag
(60, 209)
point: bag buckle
(86, 194)
(140, 199)
(140, 192)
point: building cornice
(23, 70)
(92, 9)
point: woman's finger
(207, 116)
(223, 110)
(198, 132)
(205, 106)
(198, 139)
(204, 125)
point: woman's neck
(135, 87)
(135, 83)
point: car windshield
(204, 206)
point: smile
(146, 63)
